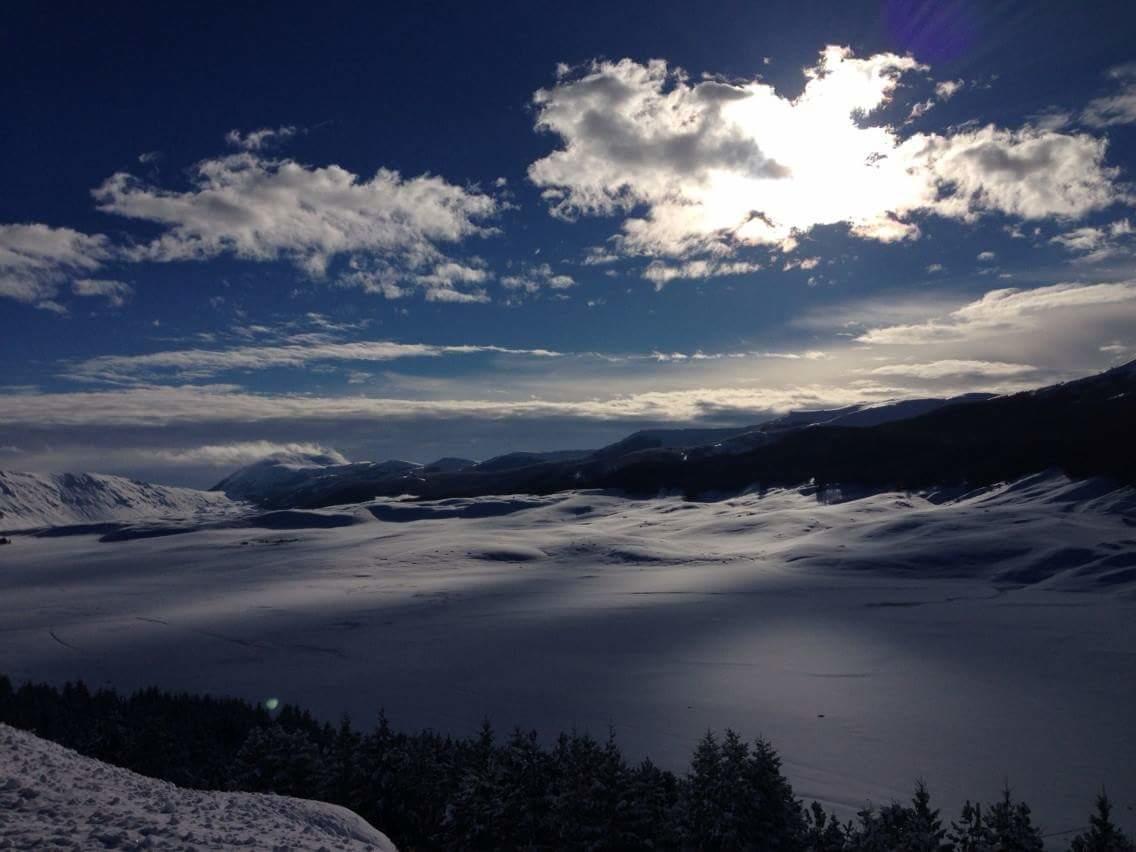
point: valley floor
(969, 642)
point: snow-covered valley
(966, 639)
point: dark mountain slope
(1085, 428)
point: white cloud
(987, 257)
(265, 209)
(242, 453)
(188, 364)
(531, 278)
(934, 267)
(36, 259)
(1095, 244)
(258, 140)
(154, 406)
(947, 89)
(954, 368)
(660, 273)
(1117, 108)
(1004, 310)
(708, 166)
(115, 292)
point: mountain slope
(1083, 428)
(31, 500)
(54, 798)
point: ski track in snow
(54, 798)
(986, 638)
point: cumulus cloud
(999, 311)
(1118, 107)
(36, 259)
(115, 292)
(707, 166)
(258, 208)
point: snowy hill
(31, 500)
(54, 798)
(288, 480)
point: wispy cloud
(116, 293)
(1003, 310)
(193, 364)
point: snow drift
(54, 798)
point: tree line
(431, 791)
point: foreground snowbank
(53, 798)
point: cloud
(947, 89)
(115, 292)
(531, 278)
(242, 453)
(999, 311)
(1117, 108)
(707, 167)
(165, 406)
(266, 209)
(954, 368)
(258, 140)
(1029, 173)
(192, 364)
(35, 259)
(661, 273)
(1094, 244)
(987, 257)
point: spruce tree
(1103, 835)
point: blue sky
(227, 229)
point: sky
(441, 229)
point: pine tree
(1103, 835)
(968, 834)
(774, 819)
(1009, 826)
(824, 833)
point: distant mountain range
(1085, 428)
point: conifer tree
(1103, 835)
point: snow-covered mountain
(53, 798)
(32, 500)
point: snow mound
(33, 500)
(53, 798)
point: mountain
(289, 480)
(33, 500)
(648, 459)
(1083, 428)
(512, 461)
(55, 798)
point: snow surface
(54, 798)
(967, 639)
(30, 500)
